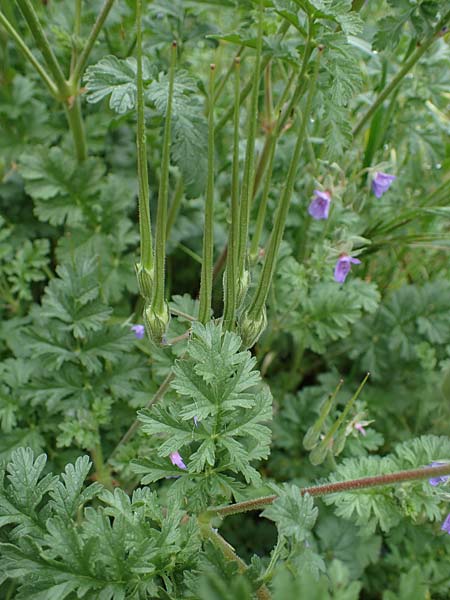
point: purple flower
(440, 478)
(381, 183)
(446, 524)
(343, 265)
(320, 205)
(196, 421)
(176, 460)
(139, 331)
(359, 427)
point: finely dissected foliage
(280, 343)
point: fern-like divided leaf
(218, 422)
(57, 547)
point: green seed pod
(156, 323)
(251, 329)
(145, 281)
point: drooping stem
(161, 216)
(338, 487)
(249, 164)
(230, 299)
(84, 56)
(409, 64)
(258, 302)
(206, 282)
(29, 55)
(145, 227)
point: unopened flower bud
(156, 323)
(312, 436)
(318, 454)
(145, 281)
(250, 329)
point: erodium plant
(288, 352)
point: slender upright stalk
(249, 164)
(40, 70)
(258, 303)
(145, 228)
(175, 205)
(43, 44)
(338, 487)
(76, 33)
(409, 64)
(161, 217)
(83, 58)
(206, 282)
(230, 299)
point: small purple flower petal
(434, 481)
(139, 331)
(343, 265)
(320, 205)
(360, 428)
(176, 460)
(196, 421)
(446, 524)
(381, 183)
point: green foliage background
(73, 375)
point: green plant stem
(76, 33)
(226, 77)
(29, 55)
(175, 205)
(161, 216)
(76, 123)
(249, 164)
(206, 282)
(409, 64)
(261, 215)
(136, 423)
(103, 473)
(230, 299)
(145, 227)
(338, 487)
(228, 551)
(43, 44)
(260, 297)
(84, 56)
(248, 86)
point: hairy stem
(29, 55)
(76, 124)
(206, 282)
(230, 299)
(338, 487)
(259, 299)
(43, 44)
(145, 228)
(161, 216)
(84, 56)
(409, 64)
